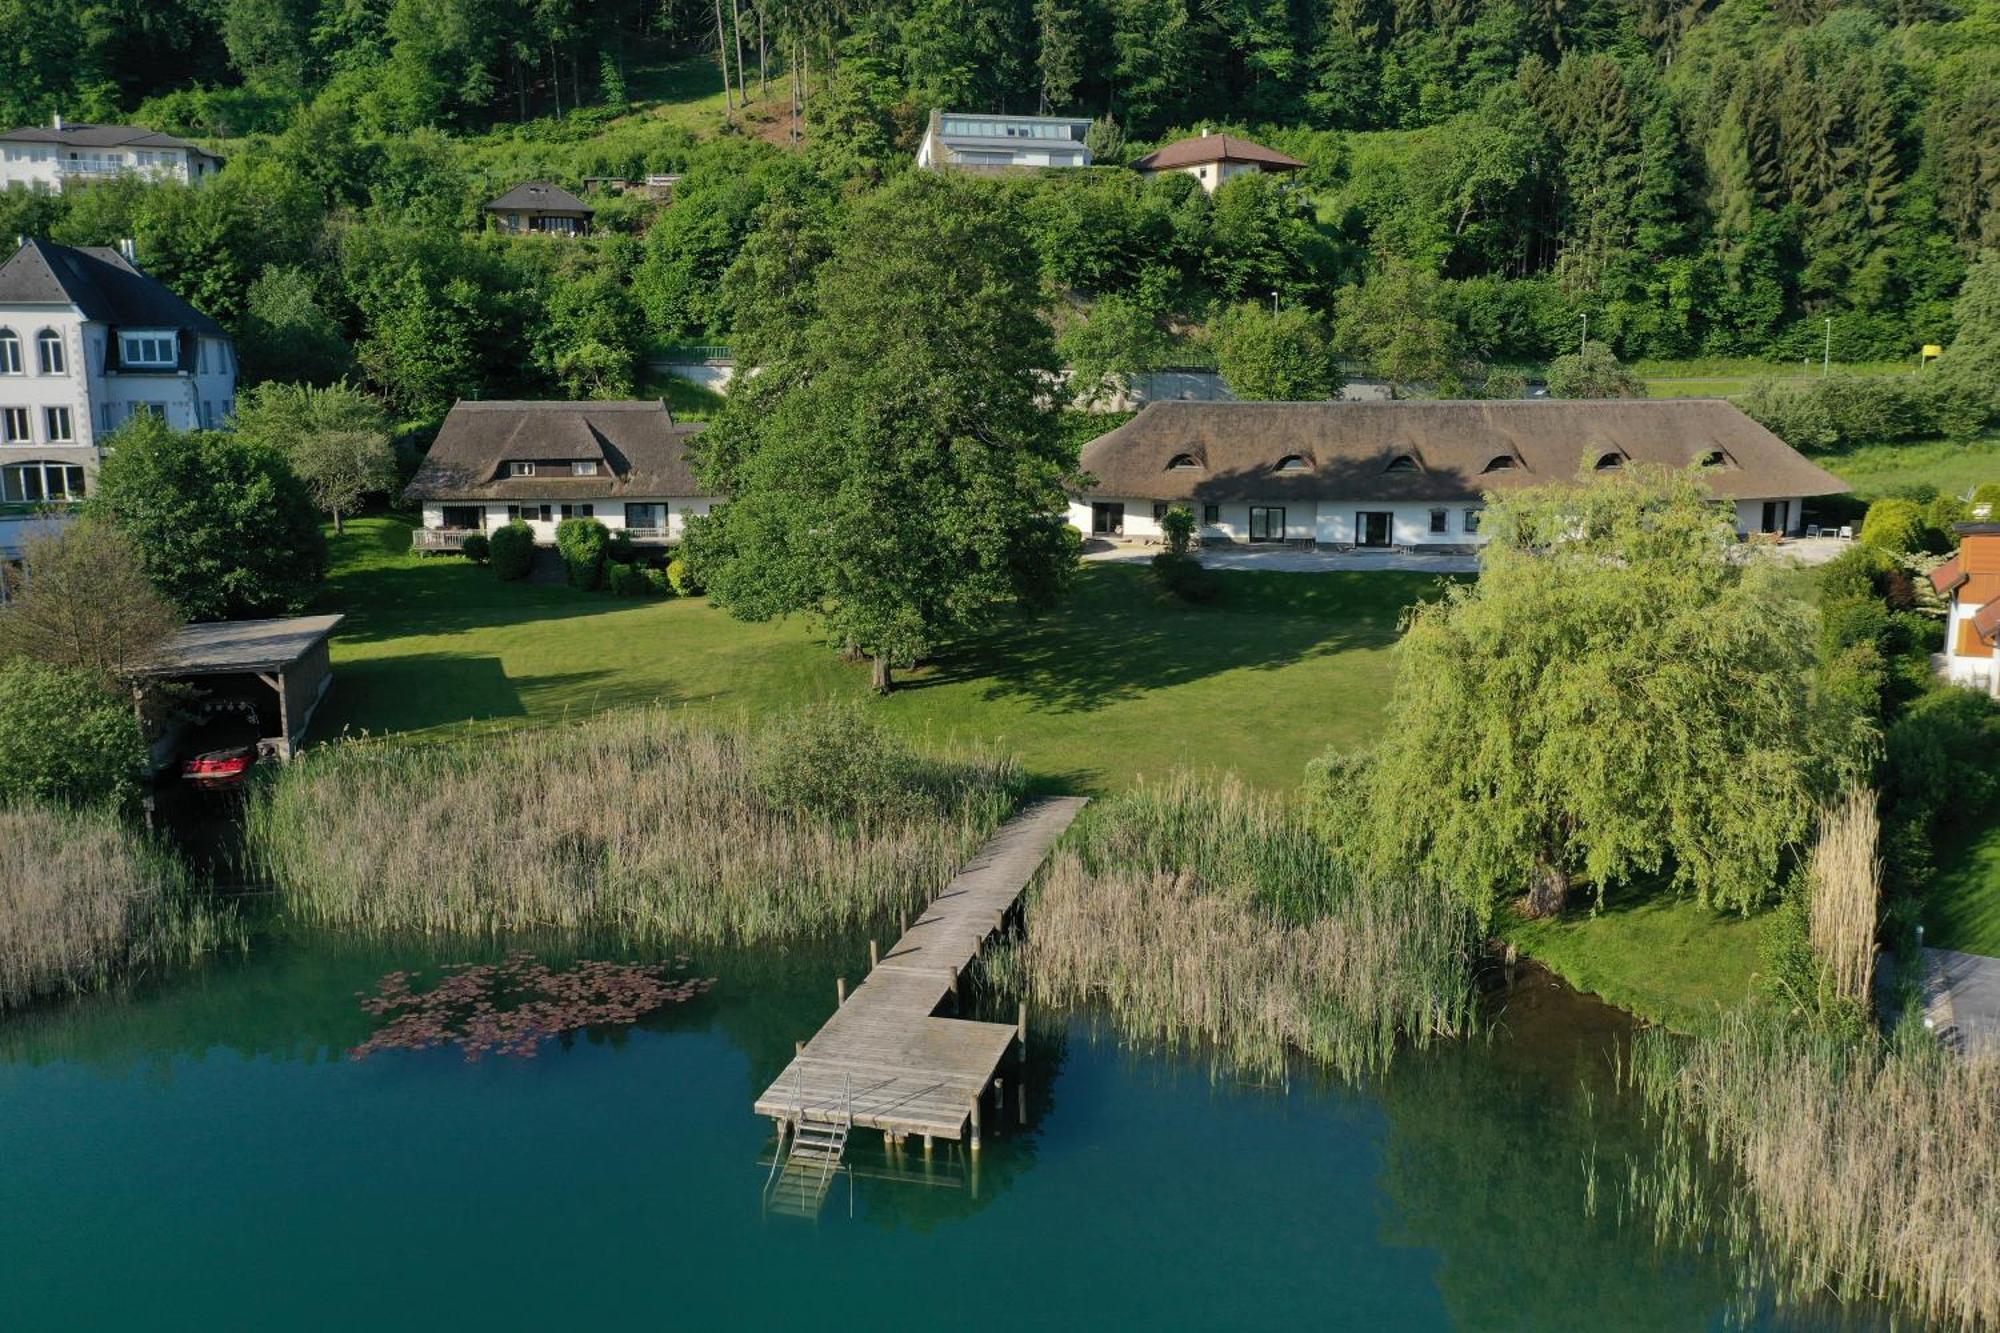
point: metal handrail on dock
(884, 1060)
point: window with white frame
(14, 425)
(60, 428)
(583, 467)
(147, 349)
(49, 351)
(520, 469)
(10, 352)
(40, 483)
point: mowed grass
(1115, 685)
(1963, 907)
(1658, 955)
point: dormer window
(520, 469)
(1501, 463)
(154, 350)
(1292, 463)
(1182, 463)
(583, 467)
(1610, 462)
(1403, 463)
(1714, 458)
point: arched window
(1292, 463)
(1182, 463)
(1403, 463)
(10, 352)
(1606, 462)
(1501, 463)
(40, 483)
(49, 351)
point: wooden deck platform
(905, 1070)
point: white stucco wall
(611, 513)
(100, 402)
(47, 166)
(1750, 515)
(1326, 521)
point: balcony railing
(440, 539)
(648, 536)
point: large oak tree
(894, 470)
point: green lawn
(1953, 467)
(1659, 955)
(1963, 910)
(1115, 685)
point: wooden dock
(884, 1060)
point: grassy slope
(1114, 686)
(1954, 467)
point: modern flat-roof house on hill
(996, 143)
(1970, 582)
(542, 208)
(55, 156)
(622, 463)
(1215, 158)
(87, 340)
(1413, 474)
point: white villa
(55, 156)
(1413, 475)
(1214, 158)
(1970, 582)
(87, 340)
(624, 464)
(991, 143)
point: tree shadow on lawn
(428, 690)
(1118, 637)
(432, 596)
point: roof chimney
(58, 120)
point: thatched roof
(640, 450)
(1417, 451)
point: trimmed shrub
(476, 548)
(1987, 496)
(1177, 524)
(657, 582)
(620, 548)
(1184, 577)
(1939, 517)
(1855, 572)
(685, 584)
(626, 580)
(511, 549)
(582, 542)
(1896, 526)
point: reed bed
(83, 900)
(1857, 1170)
(639, 824)
(1199, 912)
(1846, 894)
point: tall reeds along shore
(639, 824)
(1201, 912)
(84, 899)
(1858, 1169)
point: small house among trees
(1214, 158)
(1970, 583)
(537, 206)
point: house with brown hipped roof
(1970, 584)
(624, 464)
(1214, 158)
(1414, 475)
(540, 208)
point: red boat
(220, 768)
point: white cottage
(1414, 475)
(86, 340)
(1214, 158)
(60, 155)
(1970, 584)
(622, 463)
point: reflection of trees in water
(1489, 1148)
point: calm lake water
(204, 1155)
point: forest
(1774, 179)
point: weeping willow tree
(1617, 696)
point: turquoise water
(203, 1155)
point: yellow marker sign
(1931, 350)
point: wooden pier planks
(906, 1071)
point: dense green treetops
(65, 738)
(336, 439)
(1617, 697)
(896, 472)
(222, 524)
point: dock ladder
(804, 1165)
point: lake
(202, 1153)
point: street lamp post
(1274, 302)
(1826, 352)
(1583, 345)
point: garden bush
(1177, 525)
(619, 547)
(657, 581)
(1987, 497)
(511, 549)
(1185, 578)
(835, 762)
(626, 580)
(64, 738)
(582, 542)
(1840, 410)
(1895, 525)
(682, 578)
(476, 548)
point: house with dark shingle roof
(60, 155)
(625, 464)
(1414, 475)
(542, 208)
(1970, 584)
(87, 339)
(1215, 158)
